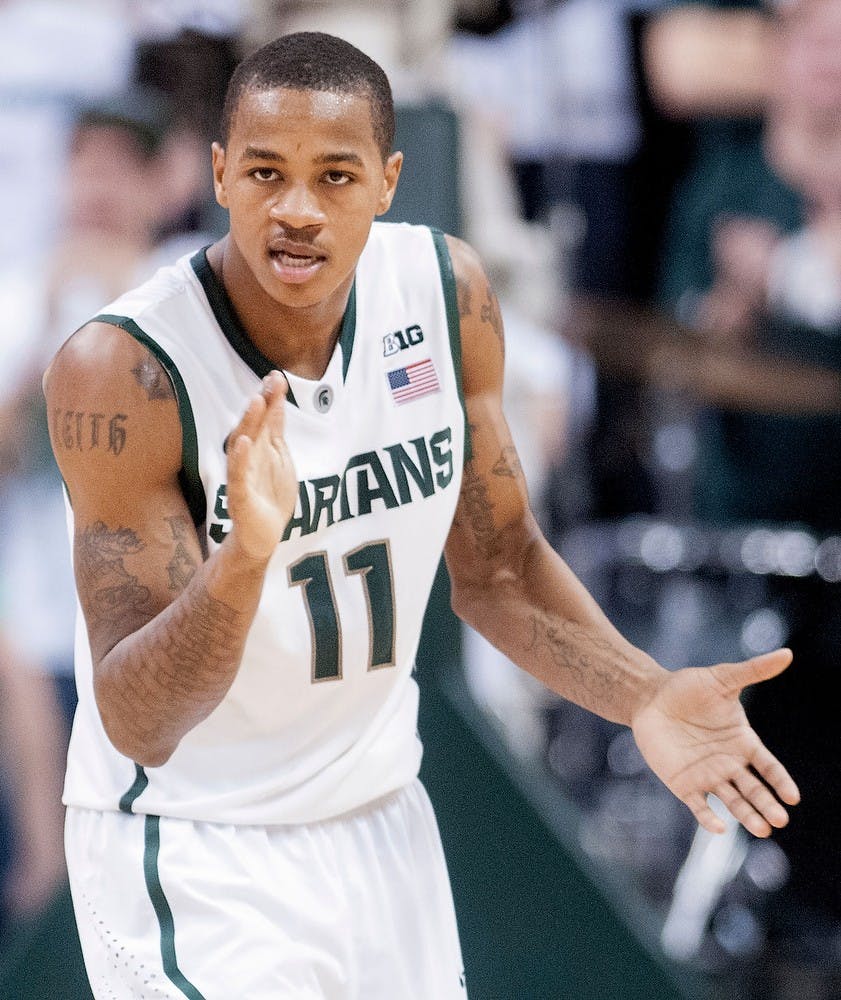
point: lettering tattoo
(80, 430)
(151, 377)
(477, 508)
(508, 463)
(491, 314)
(182, 566)
(114, 593)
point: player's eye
(336, 178)
(264, 174)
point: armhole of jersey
(188, 475)
(448, 283)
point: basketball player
(266, 448)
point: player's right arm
(166, 626)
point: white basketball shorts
(354, 908)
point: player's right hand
(262, 483)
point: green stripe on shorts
(164, 913)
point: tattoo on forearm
(478, 509)
(167, 669)
(463, 297)
(491, 314)
(508, 463)
(191, 656)
(591, 661)
(151, 377)
(80, 430)
(182, 566)
(201, 632)
(101, 553)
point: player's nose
(298, 207)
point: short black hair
(312, 60)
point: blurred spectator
(592, 158)
(190, 63)
(755, 256)
(408, 38)
(31, 775)
(52, 56)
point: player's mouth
(295, 263)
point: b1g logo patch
(402, 340)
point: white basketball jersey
(321, 718)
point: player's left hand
(695, 736)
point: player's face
(303, 178)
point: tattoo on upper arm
(100, 560)
(82, 430)
(508, 463)
(478, 510)
(491, 314)
(463, 296)
(151, 377)
(182, 566)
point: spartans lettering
(384, 479)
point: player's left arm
(510, 585)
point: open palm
(262, 484)
(695, 736)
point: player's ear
(391, 173)
(218, 152)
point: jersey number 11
(372, 562)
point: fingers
(744, 811)
(735, 676)
(249, 423)
(239, 452)
(750, 800)
(747, 800)
(704, 814)
(264, 410)
(772, 771)
(275, 391)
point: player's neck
(297, 339)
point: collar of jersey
(234, 331)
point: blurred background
(655, 188)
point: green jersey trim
(188, 475)
(347, 333)
(448, 282)
(152, 847)
(141, 780)
(235, 334)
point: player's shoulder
(115, 341)
(102, 363)
(90, 353)
(410, 237)
(169, 283)
(108, 398)
(466, 262)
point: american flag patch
(418, 379)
